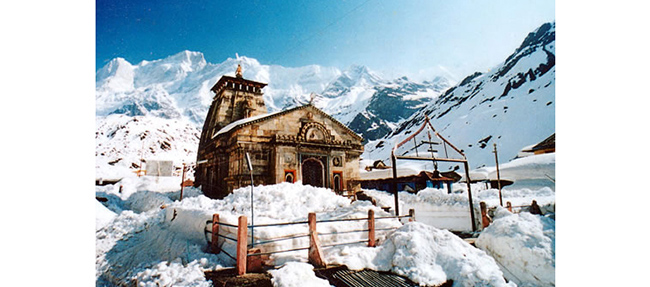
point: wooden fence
(249, 257)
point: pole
(182, 182)
(411, 215)
(496, 159)
(315, 255)
(241, 245)
(252, 215)
(141, 159)
(371, 228)
(485, 219)
(214, 246)
(394, 163)
(435, 165)
(250, 168)
(469, 193)
(416, 147)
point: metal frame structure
(394, 159)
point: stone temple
(298, 144)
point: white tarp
(160, 167)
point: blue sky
(395, 38)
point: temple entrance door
(313, 172)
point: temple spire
(238, 73)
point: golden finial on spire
(238, 74)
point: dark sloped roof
(433, 176)
(549, 142)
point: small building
(298, 144)
(407, 180)
(378, 164)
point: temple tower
(235, 99)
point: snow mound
(146, 200)
(271, 201)
(174, 274)
(103, 215)
(168, 247)
(523, 245)
(426, 255)
(133, 245)
(296, 274)
(431, 256)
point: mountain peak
(188, 59)
(542, 36)
(357, 72)
(114, 65)
(116, 75)
(186, 55)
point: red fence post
(411, 214)
(509, 206)
(371, 228)
(484, 216)
(214, 246)
(315, 254)
(242, 232)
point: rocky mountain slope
(512, 105)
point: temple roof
(247, 121)
(228, 79)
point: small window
(290, 176)
(337, 182)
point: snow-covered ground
(145, 234)
(523, 245)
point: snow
(451, 211)
(145, 234)
(426, 255)
(174, 274)
(524, 245)
(103, 215)
(530, 167)
(479, 108)
(236, 123)
(296, 274)
(386, 173)
(121, 142)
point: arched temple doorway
(313, 172)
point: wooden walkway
(339, 276)
(342, 277)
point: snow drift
(523, 245)
(426, 255)
(167, 246)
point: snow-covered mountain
(512, 105)
(179, 86)
(122, 141)
(175, 91)
(393, 102)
